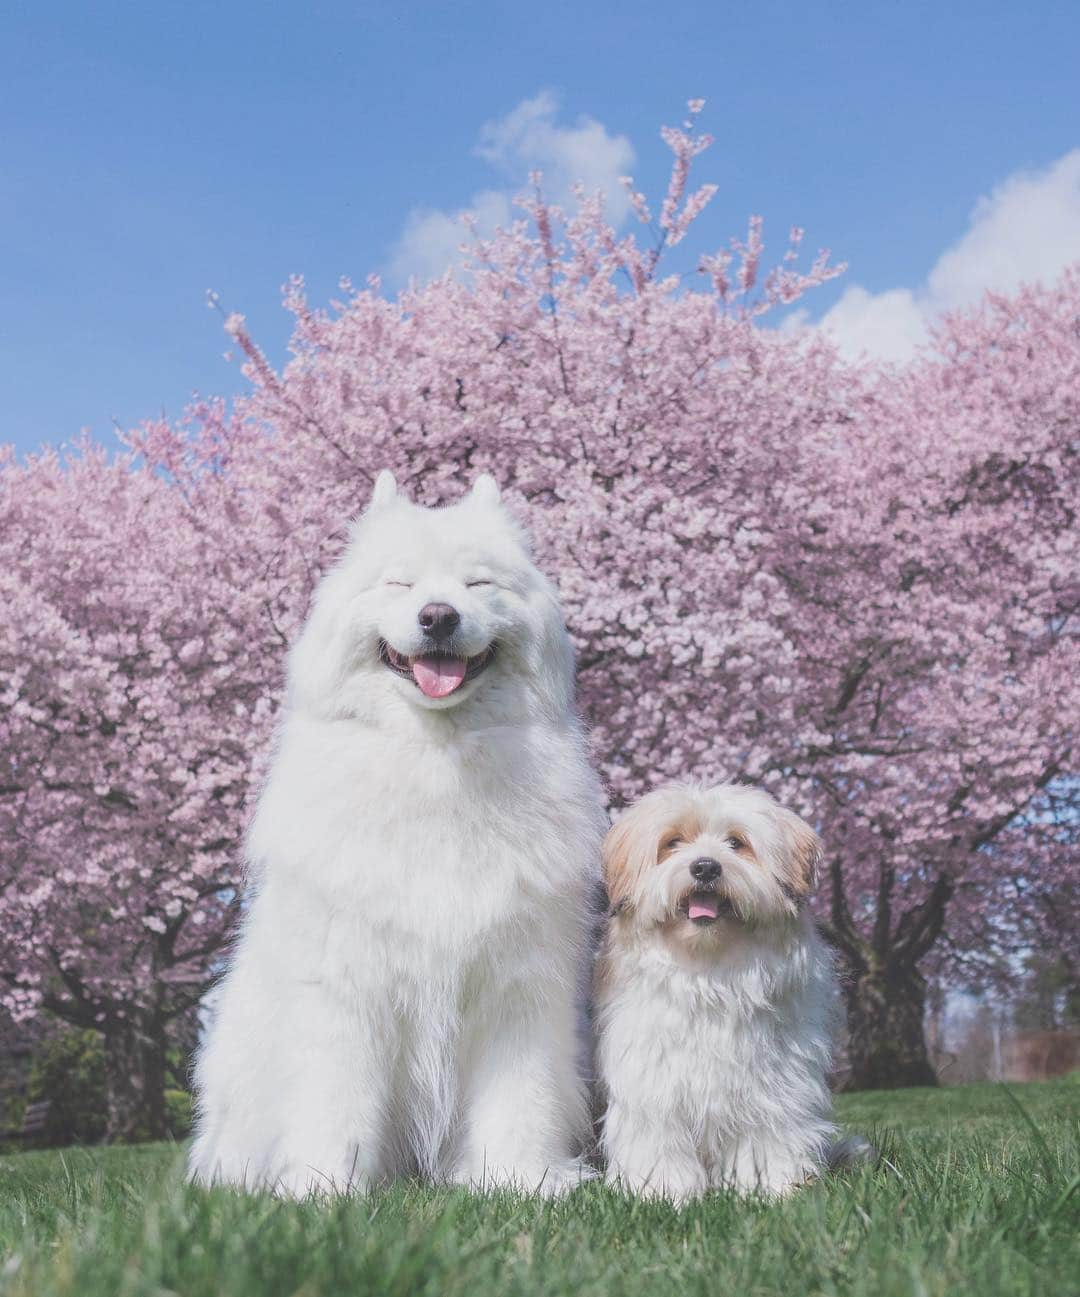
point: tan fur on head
(642, 836)
(765, 858)
(806, 851)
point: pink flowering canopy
(854, 584)
(126, 738)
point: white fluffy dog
(713, 997)
(404, 995)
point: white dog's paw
(775, 1182)
(299, 1181)
(552, 1181)
(674, 1184)
(563, 1178)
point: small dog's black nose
(440, 620)
(705, 870)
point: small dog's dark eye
(473, 584)
(402, 585)
(735, 841)
(671, 843)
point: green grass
(978, 1192)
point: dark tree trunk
(135, 1077)
(885, 1025)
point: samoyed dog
(404, 996)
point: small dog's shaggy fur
(404, 995)
(713, 997)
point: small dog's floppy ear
(485, 490)
(805, 851)
(385, 490)
(618, 869)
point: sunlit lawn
(977, 1193)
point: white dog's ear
(485, 490)
(804, 850)
(385, 490)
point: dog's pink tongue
(703, 907)
(438, 677)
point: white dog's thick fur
(404, 994)
(713, 997)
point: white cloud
(431, 241)
(887, 325)
(1027, 230)
(527, 139)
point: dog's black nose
(440, 620)
(705, 870)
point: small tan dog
(714, 997)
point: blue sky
(151, 151)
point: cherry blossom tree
(854, 584)
(131, 692)
(947, 782)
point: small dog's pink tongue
(437, 676)
(703, 907)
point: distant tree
(1048, 995)
(68, 1073)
